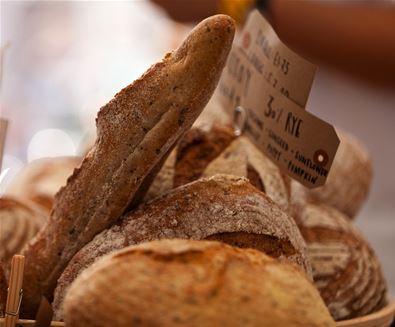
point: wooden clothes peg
(15, 291)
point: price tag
(281, 68)
(270, 85)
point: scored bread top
(345, 269)
(20, 221)
(193, 283)
(223, 207)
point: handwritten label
(271, 84)
(3, 131)
(281, 68)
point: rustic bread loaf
(19, 223)
(346, 271)
(41, 179)
(217, 151)
(197, 148)
(136, 130)
(202, 152)
(193, 283)
(348, 183)
(223, 208)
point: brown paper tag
(299, 143)
(3, 131)
(278, 66)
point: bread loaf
(197, 149)
(41, 179)
(223, 208)
(217, 151)
(348, 183)
(193, 283)
(19, 223)
(202, 152)
(135, 132)
(346, 271)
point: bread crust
(203, 153)
(349, 180)
(193, 283)
(41, 179)
(222, 207)
(345, 268)
(135, 131)
(20, 221)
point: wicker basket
(382, 318)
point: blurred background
(63, 60)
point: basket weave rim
(382, 317)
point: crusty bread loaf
(197, 149)
(217, 151)
(136, 130)
(189, 158)
(193, 283)
(203, 152)
(243, 158)
(19, 223)
(223, 208)
(41, 179)
(346, 270)
(348, 183)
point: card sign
(269, 84)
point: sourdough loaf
(135, 132)
(348, 183)
(41, 179)
(19, 223)
(196, 150)
(217, 151)
(202, 152)
(193, 283)
(345, 269)
(223, 208)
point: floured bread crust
(223, 207)
(345, 269)
(135, 132)
(193, 283)
(41, 179)
(20, 221)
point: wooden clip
(15, 291)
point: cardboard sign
(269, 86)
(281, 68)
